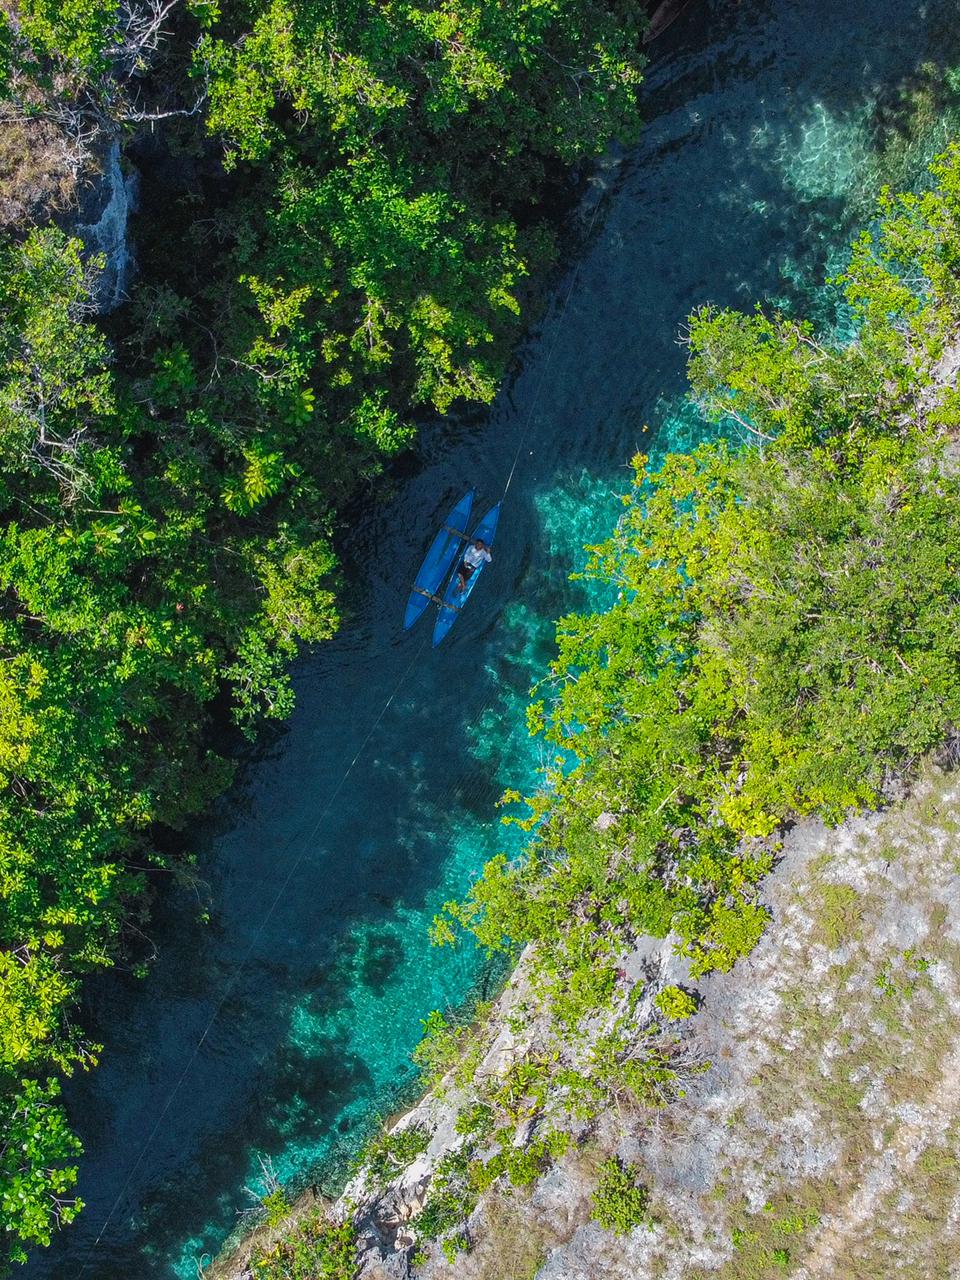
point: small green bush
(476, 1122)
(276, 1206)
(522, 1165)
(454, 1245)
(452, 1196)
(675, 1003)
(318, 1250)
(450, 1046)
(620, 1203)
(388, 1153)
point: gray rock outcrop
(101, 222)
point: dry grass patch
(513, 1246)
(838, 914)
(37, 175)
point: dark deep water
(770, 126)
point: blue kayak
(444, 549)
(453, 599)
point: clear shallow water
(769, 128)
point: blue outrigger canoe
(436, 563)
(453, 599)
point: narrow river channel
(771, 123)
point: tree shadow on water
(296, 1104)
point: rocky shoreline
(848, 904)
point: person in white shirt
(473, 558)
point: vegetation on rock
(320, 1250)
(620, 1203)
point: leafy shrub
(523, 1164)
(451, 1198)
(675, 1003)
(476, 1122)
(450, 1046)
(276, 1205)
(620, 1203)
(316, 1250)
(386, 1154)
(452, 1246)
(634, 1068)
(35, 1176)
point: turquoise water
(769, 127)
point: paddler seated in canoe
(473, 558)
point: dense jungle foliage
(343, 218)
(783, 639)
